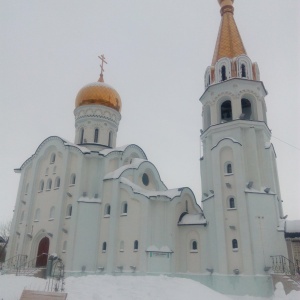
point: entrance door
(42, 254)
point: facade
(105, 209)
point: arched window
(37, 215)
(124, 208)
(69, 210)
(246, 109)
(107, 210)
(41, 187)
(136, 245)
(96, 134)
(194, 245)
(228, 168)
(231, 202)
(73, 179)
(57, 183)
(243, 71)
(121, 246)
(52, 213)
(234, 244)
(52, 158)
(81, 135)
(104, 247)
(49, 184)
(64, 247)
(226, 111)
(223, 73)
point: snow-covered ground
(125, 288)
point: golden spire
(102, 58)
(229, 42)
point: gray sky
(157, 53)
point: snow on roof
(135, 163)
(117, 149)
(81, 148)
(192, 219)
(139, 190)
(292, 226)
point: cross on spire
(102, 58)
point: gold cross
(102, 58)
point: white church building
(104, 209)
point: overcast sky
(157, 52)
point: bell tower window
(226, 111)
(110, 139)
(243, 71)
(223, 73)
(246, 109)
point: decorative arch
(124, 208)
(244, 67)
(248, 104)
(223, 69)
(207, 77)
(73, 179)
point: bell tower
(241, 194)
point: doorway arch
(42, 253)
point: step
(38, 295)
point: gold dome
(99, 93)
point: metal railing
(13, 263)
(282, 265)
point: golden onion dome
(99, 93)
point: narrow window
(186, 206)
(104, 247)
(243, 71)
(69, 210)
(194, 245)
(81, 135)
(57, 183)
(73, 179)
(64, 247)
(136, 245)
(49, 184)
(122, 246)
(37, 215)
(52, 158)
(229, 168)
(107, 210)
(96, 135)
(226, 111)
(26, 188)
(41, 185)
(110, 139)
(47, 172)
(223, 73)
(52, 213)
(231, 202)
(234, 244)
(124, 208)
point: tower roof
(229, 42)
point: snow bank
(103, 287)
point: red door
(42, 254)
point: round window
(145, 179)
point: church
(104, 209)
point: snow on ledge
(164, 249)
(138, 190)
(192, 219)
(89, 200)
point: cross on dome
(102, 58)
